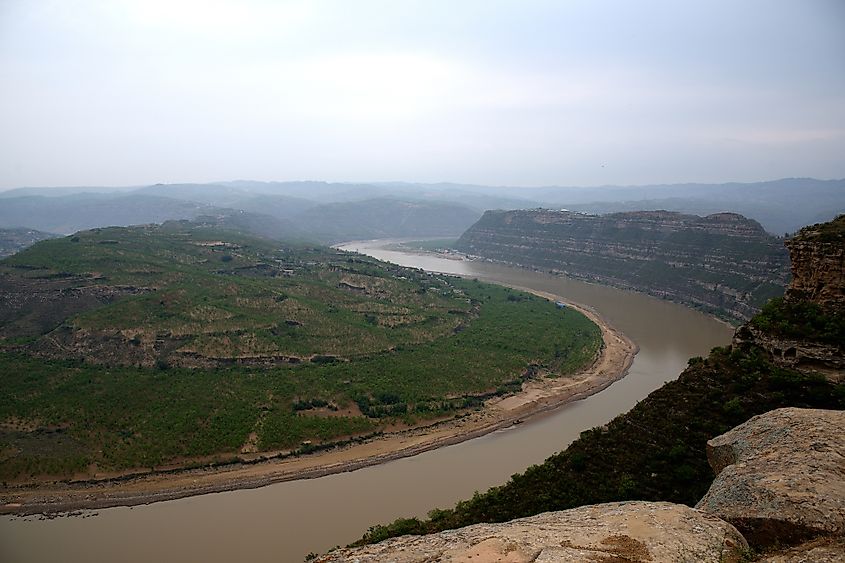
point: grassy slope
(229, 301)
(462, 339)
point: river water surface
(284, 522)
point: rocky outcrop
(780, 482)
(780, 476)
(817, 254)
(623, 531)
(722, 263)
(796, 353)
(806, 329)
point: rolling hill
(127, 348)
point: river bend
(285, 521)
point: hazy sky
(520, 93)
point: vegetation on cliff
(144, 347)
(802, 320)
(829, 232)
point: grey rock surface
(623, 531)
(780, 476)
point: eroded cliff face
(723, 263)
(806, 329)
(817, 254)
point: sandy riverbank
(537, 396)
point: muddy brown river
(286, 521)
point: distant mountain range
(781, 206)
(332, 212)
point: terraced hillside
(723, 263)
(139, 347)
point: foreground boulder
(623, 531)
(780, 476)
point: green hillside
(142, 346)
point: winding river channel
(285, 521)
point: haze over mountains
(332, 212)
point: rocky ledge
(822, 550)
(780, 476)
(620, 531)
(803, 354)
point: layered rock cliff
(817, 254)
(723, 263)
(805, 329)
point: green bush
(802, 320)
